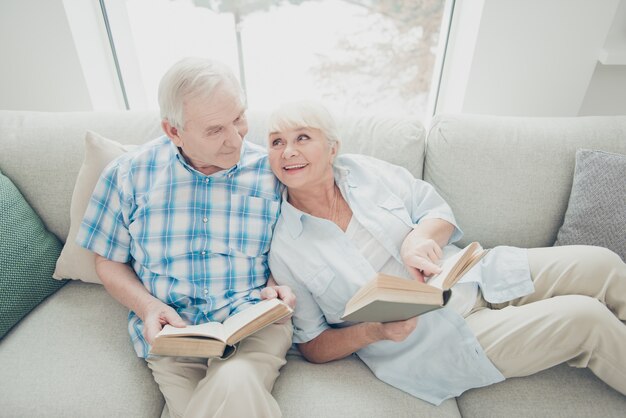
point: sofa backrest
(41, 152)
(508, 179)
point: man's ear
(172, 133)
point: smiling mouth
(294, 167)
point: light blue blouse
(441, 358)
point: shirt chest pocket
(395, 218)
(331, 293)
(250, 224)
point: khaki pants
(574, 315)
(239, 386)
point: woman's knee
(602, 260)
(583, 312)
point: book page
(208, 329)
(241, 319)
(446, 268)
(457, 265)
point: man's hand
(284, 293)
(156, 317)
(420, 256)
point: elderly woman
(517, 312)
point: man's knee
(239, 372)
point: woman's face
(301, 158)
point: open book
(212, 339)
(388, 298)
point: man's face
(213, 131)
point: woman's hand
(394, 331)
(420, 256)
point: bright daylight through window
(364, 56)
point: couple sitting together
(187, 228)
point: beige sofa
(508, 180)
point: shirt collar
(226, 172)
(292, 216)
(342, 176)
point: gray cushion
(28, 255)
(596, 212)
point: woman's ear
(172, 133)
(334, 150)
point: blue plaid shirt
(198, 243)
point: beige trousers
(575, 315)
(239, 386)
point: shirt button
(230, 175)
(205, 219)
(205, 291)
(206, 180)
(203, 253)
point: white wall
(55, 57)
(40, 68)
(606, 94)
(530, 58)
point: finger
(431, 269)
(416, 274)
(172, 318)
(286, 295)
(290, 300)
(438, 251)
(150, 330)
(432, 255)
(268, 293)
(426, 266)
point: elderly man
(181, 227)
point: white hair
(304, 114)
(192, 77)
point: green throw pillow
(28, 254)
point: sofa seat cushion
(28, 254)
(346, 388)
(561, 391)
(71, 357)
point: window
(362, 56)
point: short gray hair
(192, 77)
(304, 114)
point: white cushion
(76, 262)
